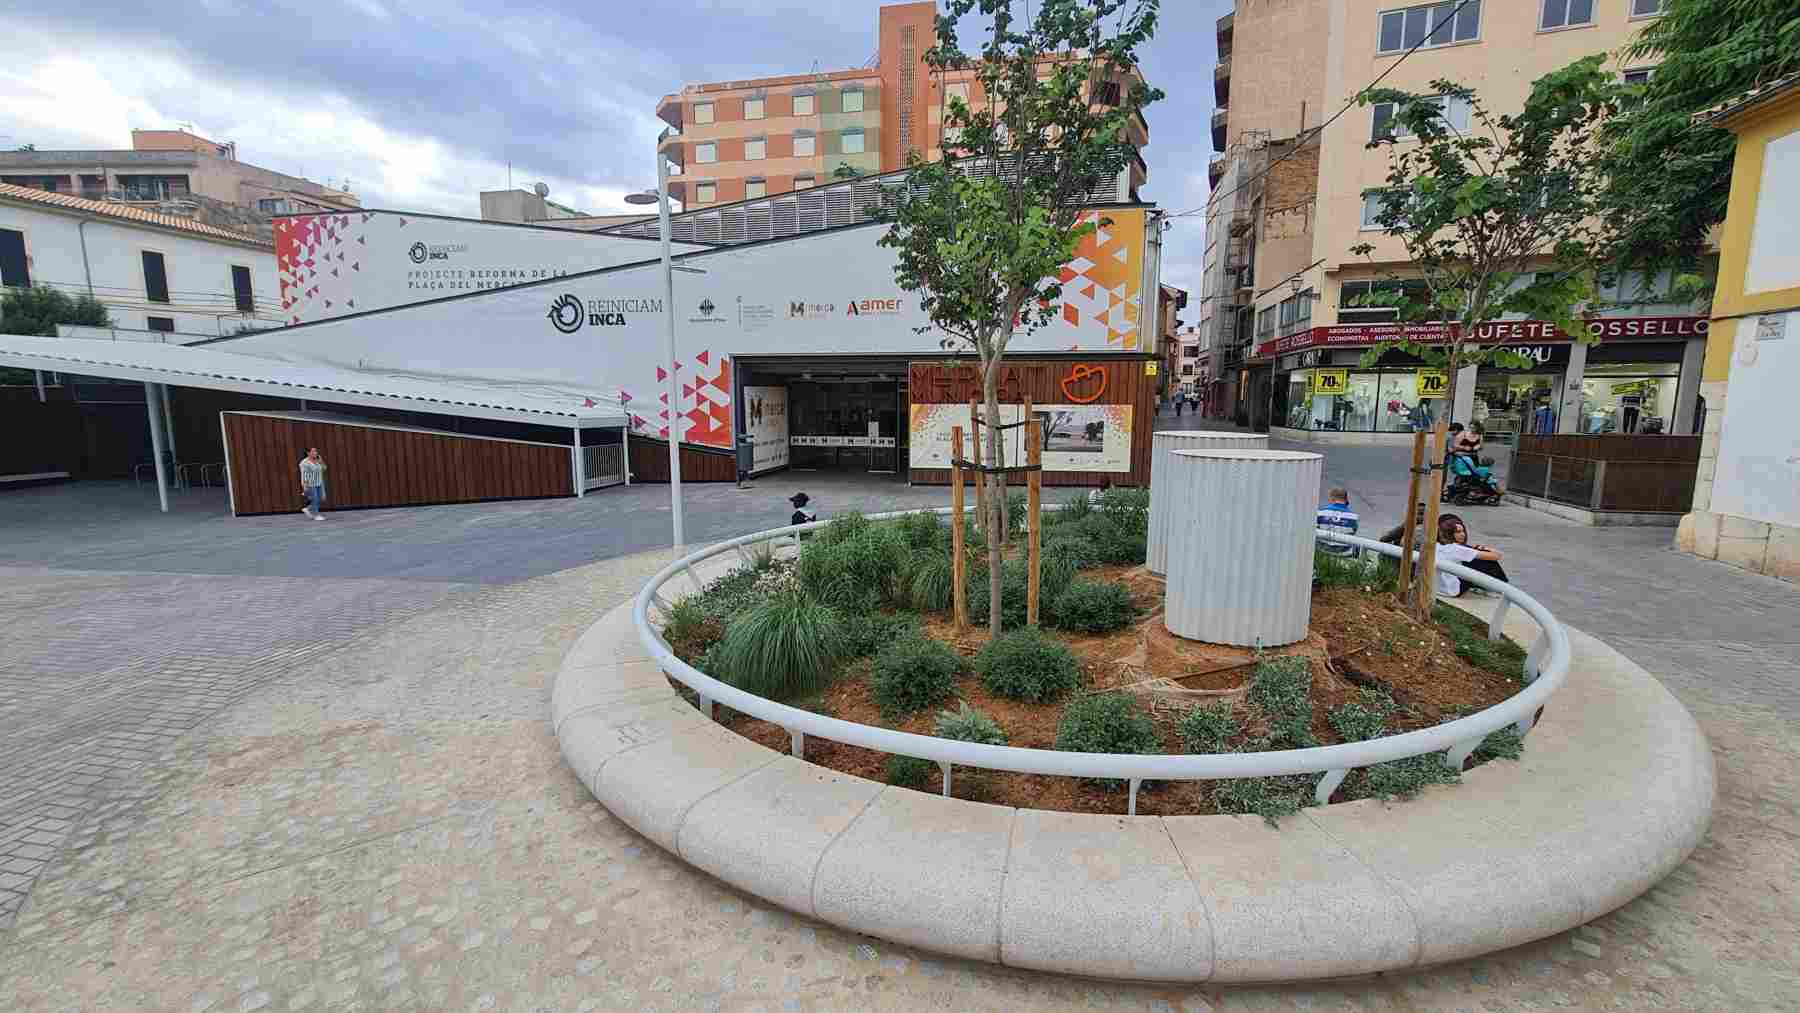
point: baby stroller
(1469, 482)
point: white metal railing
(1546, 668)
(603, 465)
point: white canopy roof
(214, 369)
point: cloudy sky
(422, 106)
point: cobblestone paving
(380, 818)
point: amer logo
(418, 253)
(864, 307)
(565, 313)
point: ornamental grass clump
(1086, 606)
(1027, 665)
(912, 674)
(859, 569)
(933, 586)
(921, 530)
(785, 647)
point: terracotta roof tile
(1755, 96)
(142, 216)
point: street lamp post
(662, 213)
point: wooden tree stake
(1410, 526)
(958, 595)
(1434, 497)
(1034, 456)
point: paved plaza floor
(271, 764)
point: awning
(212, 369)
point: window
(240, 288)
(805, 145)
(706, 193)
(753, 109)
(853, 142)
(704, 153)
(703, 112)
(14, 271)
(163, 324)
(853, 101)
(274, 206)
(1187, 369)
(1646, 8)
(803, 105)
(803, 182)
(1374, 203)
(756, 149)
(156, 278)
(1566, 14)
(754, 188)
(959, 89)
(1453, 109)
(1265, 324)
(1638, 78)
(1106, 93)
(1191, 352)
(1429, 25)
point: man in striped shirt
(1337, 516)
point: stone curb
(1614, 791)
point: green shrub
(1016, 504)
(1341, 571)
(1072, 546)
(1106, 723)
(1027, 665)
(1406, 778)
(1092, 607)
(966, 724)
(1365, 719)
(913, 673)
(1269, 797)
(688, 628)
(868, 632)
(1127, 508)
(1075, 508)
(907, 771)
(731, 594)
(857, 571)
(1501, 744)
(1208, 728)
(1282, 689)
(933, 582)
(1468, 635)
(920, 530)
(785, 647)
(842, 528)
(1055, 571)
(1013, 577)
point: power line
(1307, 136)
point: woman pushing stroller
(1467, 478)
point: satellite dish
(540, 189)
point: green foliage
(1272, 798)
(1074, 509)
(1016, 504)
(1667, 177)
(921, 530)
(913, 673)
(907, 771)
(933, 582)
(1055, 571)
(39, 309)
(784, 647)
(1127, 509)
(1366, 719)
(1352, 571)
(1406, 778)
(1070, 547)
(732, 594)
(1468, 635)
(857, 567)
(1208, 728)
(865, 633)
(842, 528)
(1502, 744)
(1106, 723)
(966, 724)
(1282, 689)
(688, 629)
(1091, 607)
(1027, 665)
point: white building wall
(201, 299)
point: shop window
(805, 105)
(1429, 25)
(1453, 109)
(753, 109)
(853, 141)
(703, 112)
(1566, 14)
(1508, 403)
(806, 145)
(1399, 409)
(1629, 398)
(853, 100)
(756, 149)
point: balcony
(668, 109)
(1222, 80)
(1218, 128)
(1223, 30)
(1215, 170)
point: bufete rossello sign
(1524, 332)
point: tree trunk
(996, 520)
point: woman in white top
(1454, 547)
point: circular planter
(1162, 447)
(1240, 572)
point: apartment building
(175, 172)
(741, 140)
(534, 207)
(1291, 200)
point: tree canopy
(38, 310)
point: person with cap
(803, 512)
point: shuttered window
(240, 288)
(13, 271)
(156, 278)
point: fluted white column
(1162, 509)
(1241, 572)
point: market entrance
(845, 415)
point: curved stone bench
(1614, 790)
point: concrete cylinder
(1162, 445)
(1241, 573)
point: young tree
(1495, 218)
(983, 251)
(39, 309)
(1666, 177)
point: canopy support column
(153, 405)
(580, 469)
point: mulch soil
(1357, 639)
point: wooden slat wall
(370, 467)
(1614, 447)
(1041, 379)
(650, 463)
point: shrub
(1341, 571)
(1208, 727)
(865, 633)
(785, 647)
(1468, 635)
(907, 771)
(1055, 571)
(933, 582)
(1012, 594)
(842, 528)
(1269, 797)
(966, 724)
(1027, 665)
(1366, 719)
(920, 530)
(1073, 547)
(1092, 607)
(688, 629)
(731, 594)
(1501, 744)
(912, 674)
(1075, 509)
(857, 571)
(1282, 689)
(1406, 778)
(1016, 509)
(1106, 723)
(1127, 509)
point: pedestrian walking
(312, 484)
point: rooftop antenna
(509, 185)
